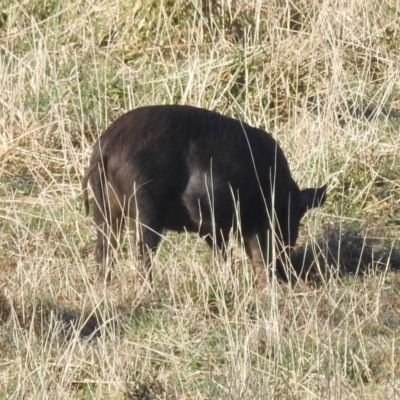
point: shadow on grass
(67, 321)
(348, 252)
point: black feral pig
(178, 167)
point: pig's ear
(311, 198)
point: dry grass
(323, 77)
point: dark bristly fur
(180, 167)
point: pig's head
(300, 201)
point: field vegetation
(324, 78)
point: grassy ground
(323, 78)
